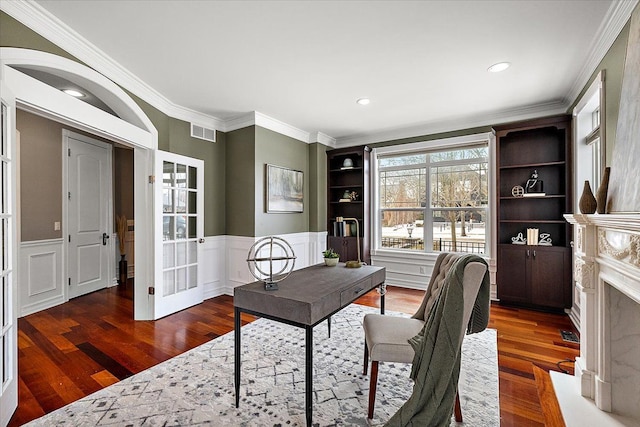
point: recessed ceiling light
(500, 66)
(73, 92)
(363, 101)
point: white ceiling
(305, 63)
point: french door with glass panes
(8, 239)
(179, 217)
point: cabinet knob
(528, 253)
(534, 253)
(571, 243)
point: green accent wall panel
(317, 187)
(240, 182)
(213, 155)
(279, 150)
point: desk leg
(236, 349)
(383, 291)
(308, 377)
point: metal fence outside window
(439, 245)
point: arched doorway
(128, 126)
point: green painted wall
(14, 34)
(317, 187)
(213, 155)
(248, 151)
(240, 182)
(432, 137)
(279, 150)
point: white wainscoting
(307, 247)
(41, 276)
(413, 271)
(213, 266)
(223, 266)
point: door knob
(201, 240)
(105, 236)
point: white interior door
(88, 214)
(8, 325)
(179, 224)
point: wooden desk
(304, 299)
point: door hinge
(152, 179)
(69, 195)
(69, 281)
(69, 238)
(69, 152)
(152, 290)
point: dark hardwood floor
(72, 350)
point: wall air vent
(203, 133)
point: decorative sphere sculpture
(271, 260)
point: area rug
(196, 388)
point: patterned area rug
(196, 388)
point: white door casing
(88, 212)
(131, 128)
(8, 263)
(179, 232)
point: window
(433, 200)
(589, 158)
(593, 141)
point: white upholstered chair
(386, 337)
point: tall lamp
(358, 263)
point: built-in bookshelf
(348, 197)
(534, 191)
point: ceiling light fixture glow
(363, 101)
(74, 92)
(500, 66)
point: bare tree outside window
(456, 201)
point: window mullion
(428, 214)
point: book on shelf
(338, 228)
(534, 194)
(344, 200)
(532, 236)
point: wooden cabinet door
(549, 269)
(512, 279)
(347, 247)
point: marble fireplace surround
(606, 385)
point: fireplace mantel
(607, 283)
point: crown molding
(322, 138)
(256, 118)
(512, 115)
(50, 27)
(617, 17)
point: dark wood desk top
(311, 294)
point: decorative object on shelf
(353, 263)
(534, 184)
(519, 240)
(587, 203)
(517, 191)
(285, 190)
(545, 239)
(601, 194)
(346, 197)
(121, 231)
(347, 164)
(532, 236)
(353, 196)
(262, 258)
(331, 258)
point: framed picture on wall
(285, 190)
